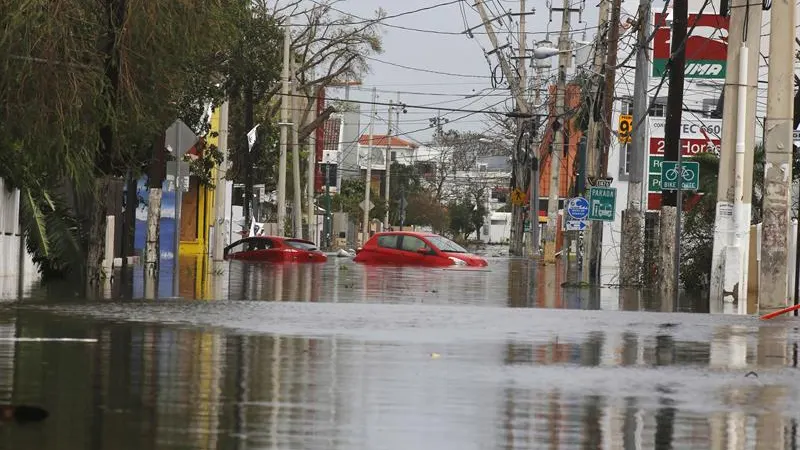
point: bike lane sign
(690, 176)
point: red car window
(301, 245)
(412, 244)
(388, 241)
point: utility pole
(388, 167)
(533, 203)
(513, 82)
(518, 227)
(313, 236)
(285, 99)
(518, 92)
(368, 178)
(670, 215)
(564, 57)
(297, 189)
(729, 265)
(778, 167)
(632, 246)
(593, 233)
(596, 242)
(247, 157)
(221, 189)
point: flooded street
(342, 356)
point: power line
(417, 69)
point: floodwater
(342, 356)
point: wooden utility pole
(517, 86)
(513, 82)
(297, 189)
(729, 265)
(669, 246)
(285, 99)
(778, 168)
(593, 234)
(564, 58)
(632, 246)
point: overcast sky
(454, 54)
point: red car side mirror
(424, 251)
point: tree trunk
(95, 251)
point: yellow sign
(518, 197)
(625, 128)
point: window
(301, 245)
(412, 244)
(394, 156)
(260, 244)
(238, 247)
(625, 149)
(626, 106)
(710, 108)
(659, 109)
(446, 245)
(388, 241)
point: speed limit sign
(625, 128)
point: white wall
(9, 246)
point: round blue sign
(578, 208)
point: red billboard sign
(706, 46)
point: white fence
(10, 246)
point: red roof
(380, 140)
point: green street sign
(654, 182)
(690, 176)
(602, 203)
(655, 164)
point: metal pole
(778, 168)
(327, 226)
(368, 177)
(564, 57)
(631, 265)
(285, 99)
(221, 189)
(388, 168)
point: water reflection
(166, 387)
(506, 282)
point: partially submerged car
(274, 249)
(418, 249)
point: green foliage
(697, 233)
(466, 216)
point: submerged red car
(419, 249)
(274, 249)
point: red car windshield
(446, 245)
(301, 245)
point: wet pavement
(341, 356)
